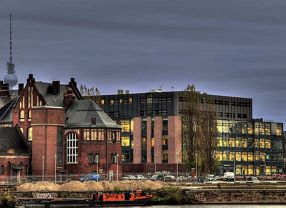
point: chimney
(20, 88)
(56, 87)
(69, 98)
(31, 79)
(4, 89)
(72, 83)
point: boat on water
(97, 199)
(135, 198)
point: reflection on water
(222, 206)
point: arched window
(22, 115)
(90, 158)
(30, 134)
(2, 170)
(9, 168)
(29, 114)
(72, 148)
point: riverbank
(163, 193)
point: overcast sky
(225, 47)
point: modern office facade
(152, 122)
(254, 147)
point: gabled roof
(11, 138)
(81, 113)
(6, 113)
(52, 99)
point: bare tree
(199, 130)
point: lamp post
(265, 166)
(117, 155)
(43, 168)
(177, 165)
(56, 168)
(234, 169)
(97, 162)
(197, 166)
(155, 163)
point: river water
(222, 206)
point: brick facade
(137, 140)
(45, 123)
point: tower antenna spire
(11, 58)
(10, 77)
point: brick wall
(45, 122)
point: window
(72, 148)
(86, 134)
(125, 142)
(2, 170)
(93, 134)
(29, 115)
(114, 158)
(22, 115)
(90, 158)
(30, 134)
(113, 136)
(102, 102)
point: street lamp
(56, 168)
(117, 155)
(265, 166)
(43, 168)
(155, 163)
(234, 168)
(97, 163)
(197, 166)
(178, 155)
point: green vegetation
(172, 196)
(7, 199)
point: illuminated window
(130, 100)
(244, 143)
(100, 134)
(225, 156)
(279, 130)
(152, 142)
(30, 134)
(219, 142)
(237, 142)
(93, 134)
(244, 156)
(125, 141)
(125, 125)
(225, 142)
(249, 129)
(23, 102)
(111, 102)
(256, 143)
(250, 156)
(231, 156)
(250, 170)
(267, 144)
(238, 156)
(261, 142)
(22, 115)
(86, 134)
(102, 102)
(29, 114)
(219, 156)
(72, 148)
(231, 142)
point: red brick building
(63, 131)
